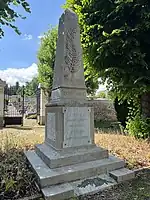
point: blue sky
(20, 52)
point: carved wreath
(72, 57)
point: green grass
(16, 179)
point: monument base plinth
(54, 158)
(83, 178)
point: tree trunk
(145, 105)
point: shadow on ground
(18, 128)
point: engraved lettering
(76, 126)
(51, 128)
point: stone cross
(68, 82)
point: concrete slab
(122, 174)
(82, 187)
(58, 192)
(56, 159)
(47, 176)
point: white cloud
(27, 37)
(40, 36)
(22, 75)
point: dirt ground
(135, 152)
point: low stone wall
(103, 110)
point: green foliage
(8, 15)
(115, 39)
(91, 77)
(101, 95)
(46, 58)
(31, 116)
(16, 180)
(31, 87)
(139, 127)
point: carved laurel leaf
(72, 57)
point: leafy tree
(46, 58)
(8, 15)
(31, 87)
(101, 95)
(115, 38)
(13, 89)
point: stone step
(48, 177)
(56, 159)
(83, 187)
(58, 192)
(122, 174)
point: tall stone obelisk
(69, 120)
(68, 163)
(68, 83)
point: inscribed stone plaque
(51, 127)
(76, 126)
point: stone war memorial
(68, 163)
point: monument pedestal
(69, 164)
(65, 175)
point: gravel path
(136, 189)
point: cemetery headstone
(69, 163)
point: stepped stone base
(63, 175)
(62, 158)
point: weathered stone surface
(122, 174)
(76, 126)
(103, 110)
(68, 127)
(87, 186)
(68, 71)
(56, 159)
(48, 176)
(51, 126)
(58, 192)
